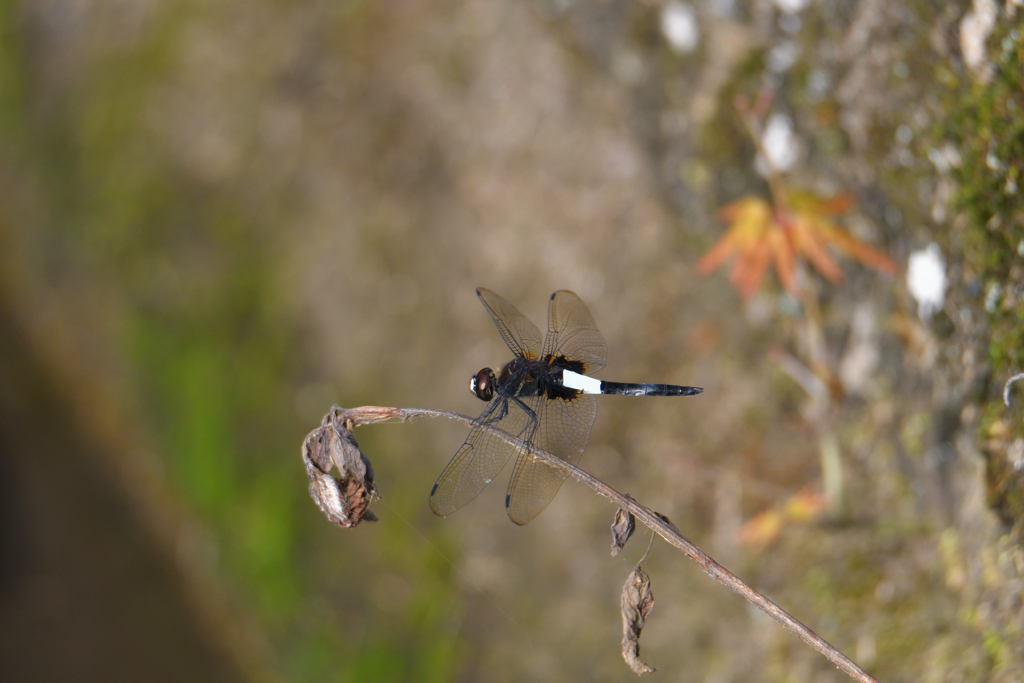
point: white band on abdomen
(574, 380)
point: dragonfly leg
(530, 426)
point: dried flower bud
(637, 601)
(622, 529)
(345, 499)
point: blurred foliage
(208, 342)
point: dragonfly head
(482, 384)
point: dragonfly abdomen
(640, 389)
(589, 385)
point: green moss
(995, 648)
(988, 128)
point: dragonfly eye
(482, 384)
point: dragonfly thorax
(524, 377)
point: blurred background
(219, 218)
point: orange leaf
(809, 203)
(804, 506)
(759, 235)
(728, 213)
(782, 254)
(813, 209)
(841, 203)
(760, 530)
(765, 527)
(857, 250)
(806, 241)
(750, 267)
(717, 254)
(749, 217)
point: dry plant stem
(365, 415)
(815, 333)
(809, 297)
(774, 177)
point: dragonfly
(544, 396)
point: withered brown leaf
(637, 601)
(344, 500)
(622, 529)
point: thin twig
(366, 415)
(1006, 388)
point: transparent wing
(521, 335)
(480, 458)
(573, 334)
(563, 430)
